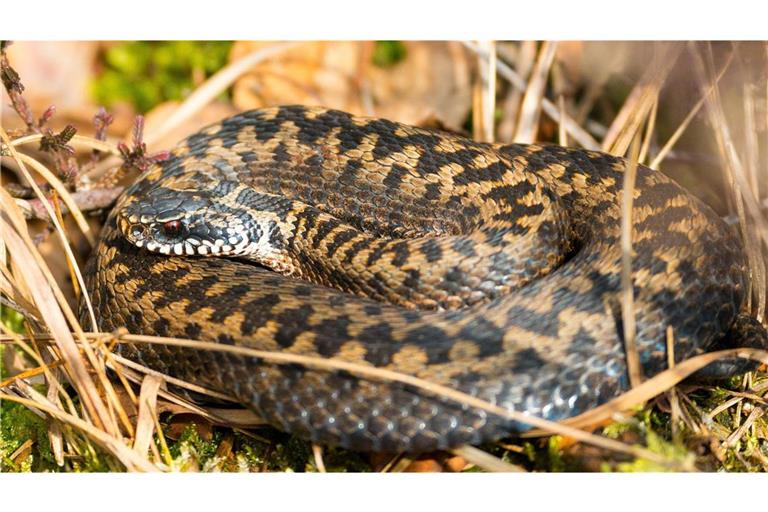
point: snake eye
(172, 228)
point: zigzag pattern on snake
(491, 269)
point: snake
(491, 269)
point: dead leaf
(434, 462)
(145, 424)
(432, 80)
(314, 73)
(437, 463)
(180, 422)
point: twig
(640, 101)
(577, 132)
(317, 453)
(485, 94)
(664, 151)
(627, 295)
(485, 460)
(86, 200)
(534, 94)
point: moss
(671, 451)
(191, 451)
(388, 53)
(18, 425)
(11, 319)
(166, 70)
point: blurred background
(442, 84)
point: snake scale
(491, 269)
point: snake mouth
(178, 236)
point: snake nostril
(138, 231)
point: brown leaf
(434, 462)
(437, 463)
(180, 422)
(314, 73)
(432, 80)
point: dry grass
(59, 371)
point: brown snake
(491, 269)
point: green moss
(191, 451)
(11, 319)
(277, 453)
(146, 73)
(388, 53)
(671, 451)
(18, 425)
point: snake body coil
(491, 269)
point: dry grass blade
(26, 445)
(674, 403)
(723, 407)
(523, 59)
(753, 170)
(581, 136)
(734, 438)
(317, 453)
(649, 127)
(664, 151)
(400, 464)
(627, 296)
(54, 220)
(75, 141)
(56, 438)
(47, 304)
(485, 460)
(562, 133)
(738, 180)
(11, 296)
(145, 423)
(112, 444)
(640, 101)
(65, 195)
(485, 94)
(531, 108)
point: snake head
(193, 222)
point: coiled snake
(491, 269)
